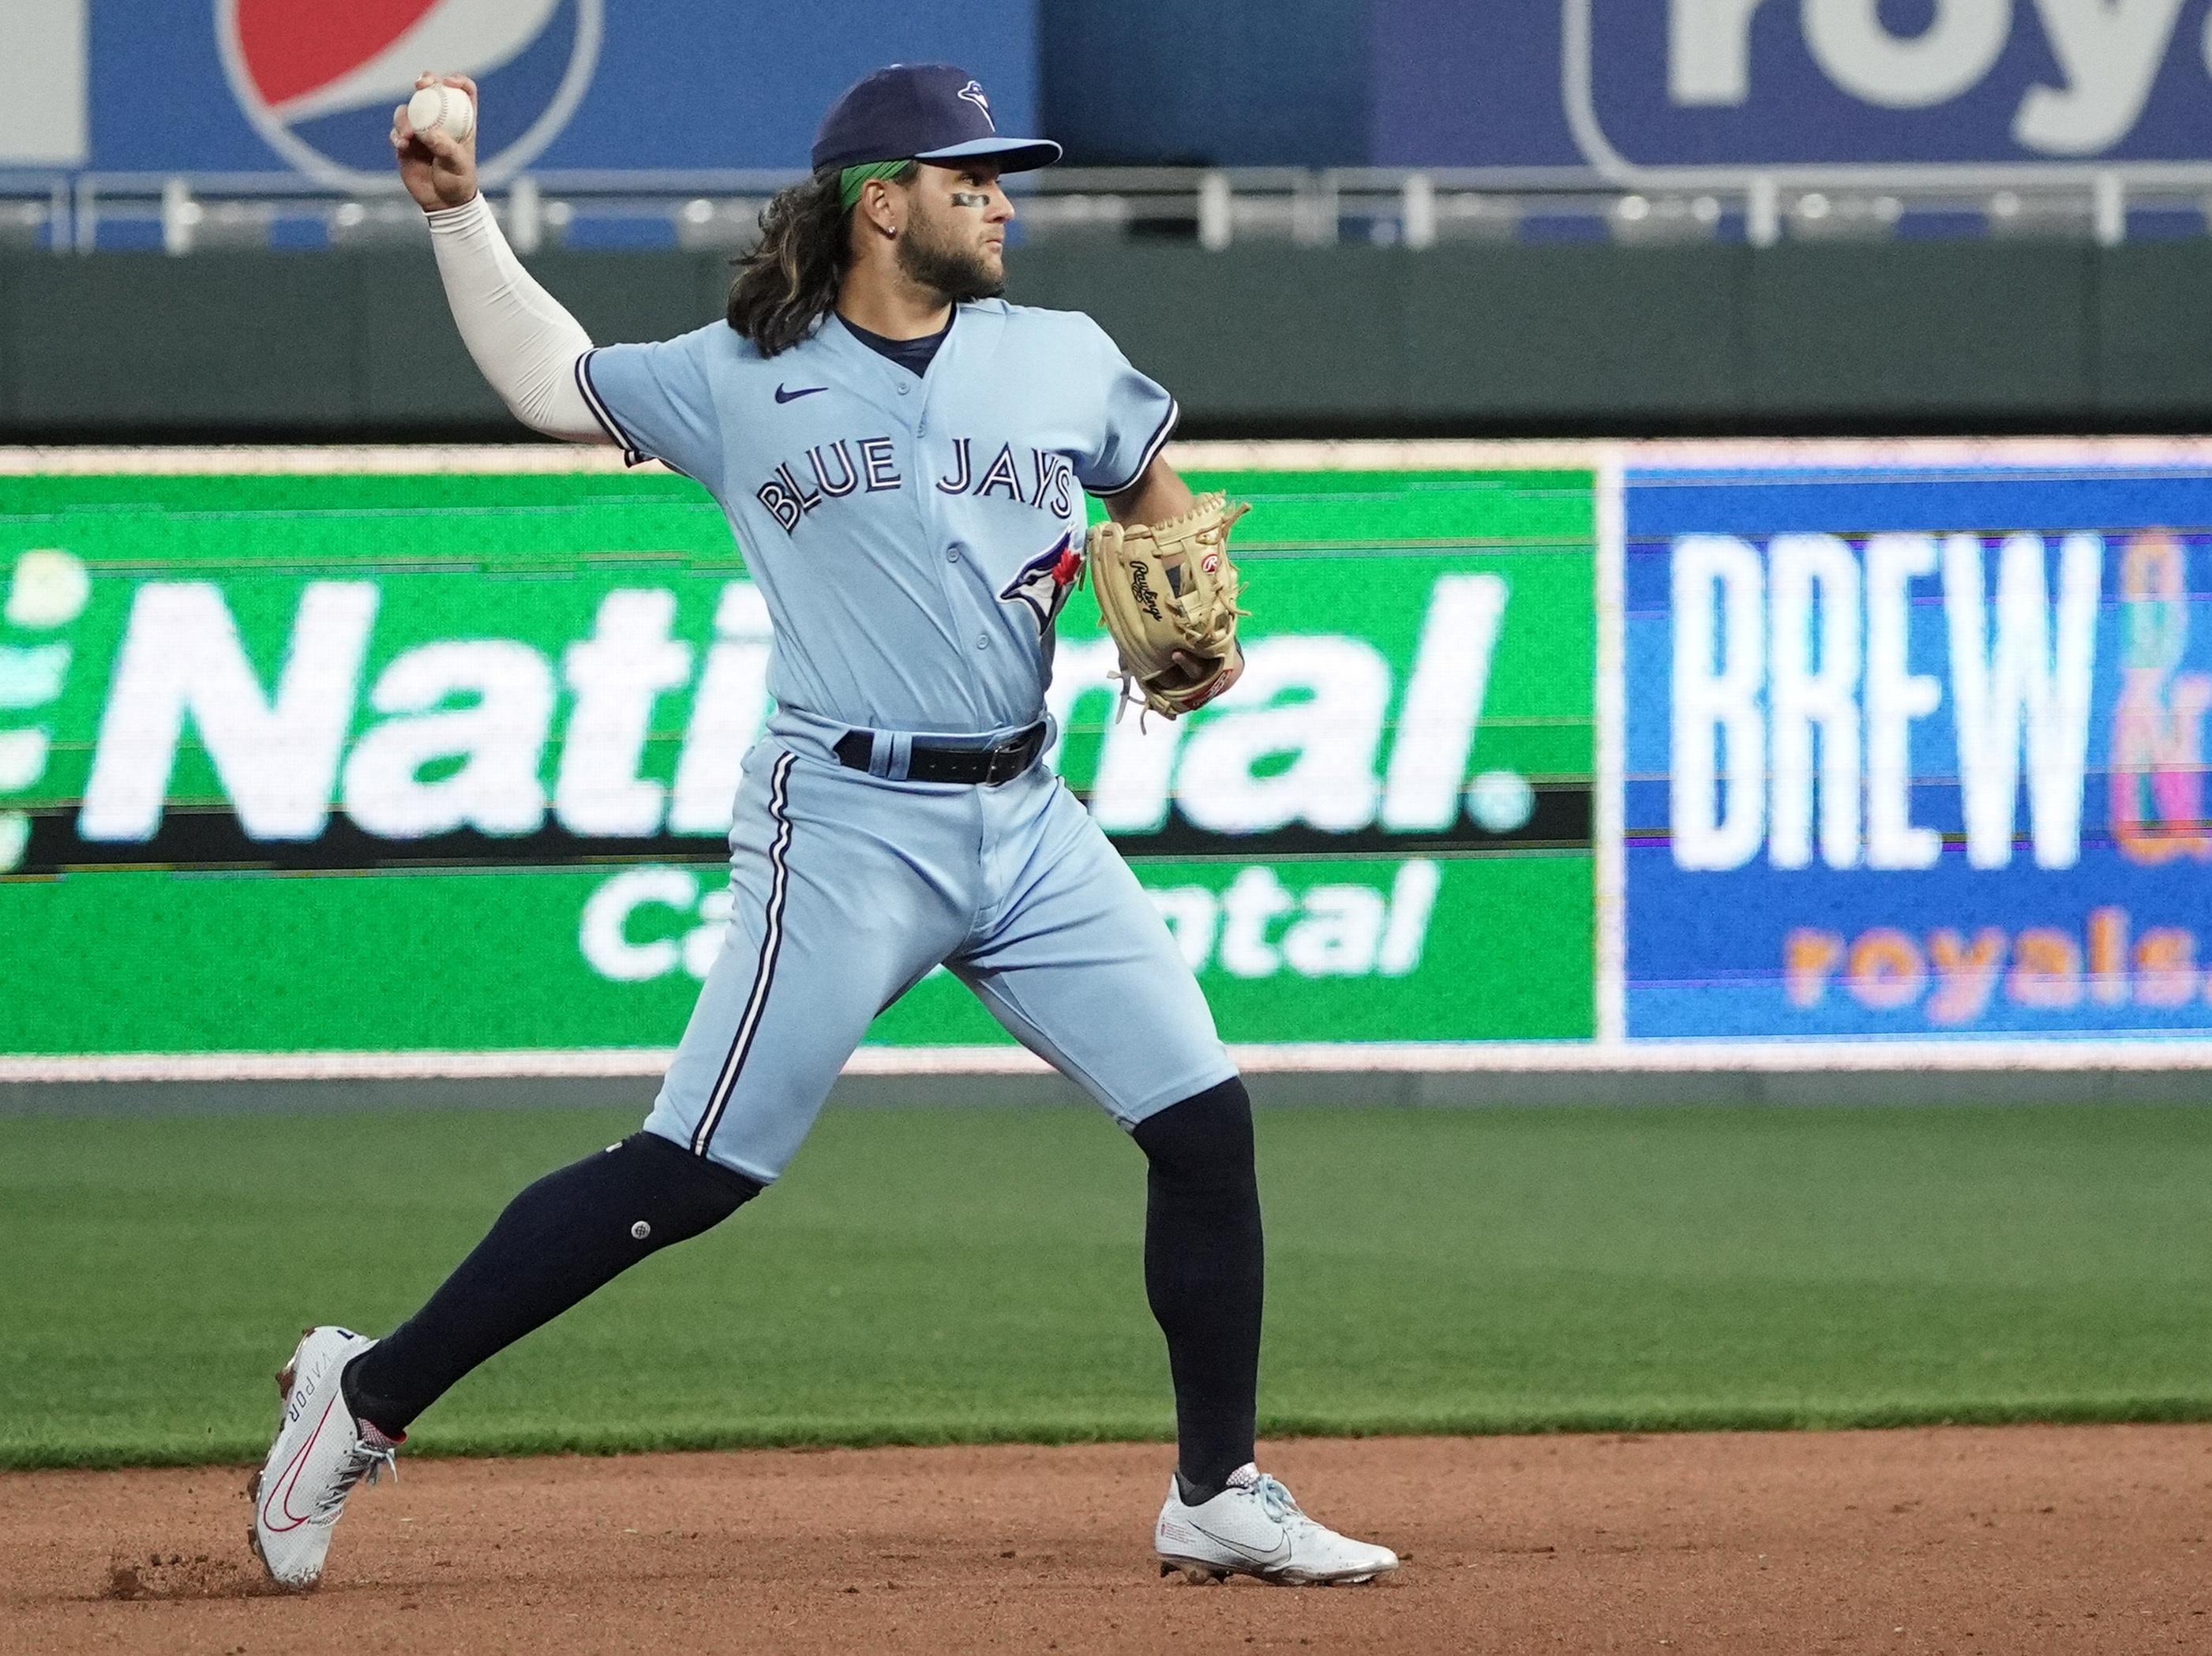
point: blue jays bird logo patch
(1042, 583)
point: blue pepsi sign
(307, 86)
(1741, 83)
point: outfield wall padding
(1560, 770)
(1924, 336)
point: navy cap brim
(1012, 154)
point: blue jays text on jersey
(829, 472)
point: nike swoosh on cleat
(287, 1481)
(783, 396)
(1278, 1554)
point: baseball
(446, 109)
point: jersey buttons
(951, 554)
(983, 640)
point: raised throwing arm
(525, 343)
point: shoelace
(361, 1461)
(1278, 1502)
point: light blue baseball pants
(849, 888)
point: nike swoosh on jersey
(783, 396)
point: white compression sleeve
(526, 344)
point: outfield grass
(926, 1275)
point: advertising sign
(1628, 85)
(1764, 82)
(207, 86)
(346, 762)
(1918, 751)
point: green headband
(851, 181)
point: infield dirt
(2020, 1538)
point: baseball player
(903, 456)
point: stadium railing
(1215, 207)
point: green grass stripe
(967, 1276)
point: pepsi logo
(318, 82)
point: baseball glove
(1170, 588)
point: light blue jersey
(914, 537)
(910, 534)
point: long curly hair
(789, 280)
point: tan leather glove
(1166, 590)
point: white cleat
(321, 1453)
(1254, 1527)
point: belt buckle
(1008, 759)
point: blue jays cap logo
(973, 91)
(319, 81)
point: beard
(928, 257)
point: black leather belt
(932, 761)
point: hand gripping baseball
(1168, 595)
(439, 170)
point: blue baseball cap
(924, 112)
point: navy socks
(578, 1228)
(1204, 1275)
(561, 1239)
